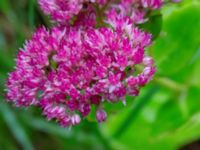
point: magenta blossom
(64, 10)
(95, 55)
(67, 70)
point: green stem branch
(170, 84)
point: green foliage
(176, 45)
(154, 24)
(165, 115)
(169, 120)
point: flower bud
(101, 115)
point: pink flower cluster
(64, 10)
(94, 55)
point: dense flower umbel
(64, 10)
(94, 60)
(67, 70)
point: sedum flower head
(64, 10)
(96, 59)
(68, 70)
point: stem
(170, 84)
(100, 16)
(94, 128)
(31, 13)
(15, 127)
(137, 107)
(103, 139)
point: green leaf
(6, 140)
(4, 6)
(134, 112)
(177, 45)
(6, 62)
(31, 13)
(15, 127)
(193, 100)
(169, 118)
(194, 78)
(188, 132)
(153, 25)
(128, 126)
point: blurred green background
(166, 115)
